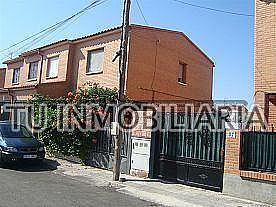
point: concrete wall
(245, 184)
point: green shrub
(71, 143)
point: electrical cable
(213, 9)
(141, 11)
(92, 5)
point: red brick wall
(272, 112)
(63, 78)
(232, 159)
(153, 64)
(265, 52)
(232, 153)
(111, 44)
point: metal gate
(102, 153)
(258, 151)
(192, 157)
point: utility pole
(122, 71)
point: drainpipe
(41, 67)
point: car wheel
(1, 159)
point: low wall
(251, 185)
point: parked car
(17, 143)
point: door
(102, 153)
(192, 157)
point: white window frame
(49, 73)
(31, 70)
(92, 70)
(13, 76)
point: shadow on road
(27, 166)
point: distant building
(236, 114)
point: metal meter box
(140, 154)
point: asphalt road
(34, 186)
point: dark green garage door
(192, 157)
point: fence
(258, 151)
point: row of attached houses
(162, 65)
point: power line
(213, 9)
(34, 41)
(141, 11)
(58, 24)
(41, 37)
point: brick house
(240, 178)
(162, 65)
(265, 61)
(40, 71)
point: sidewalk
(151, 190)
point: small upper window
(15, 77)
(182, 73)
(33, 70)
(95, 61)
(52, 70)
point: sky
(227, 39)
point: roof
(114, 29)
(96, 34)
(35, 51)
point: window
(33, 70)
(52, 70)
(95, 61)
(182, 74)
(7, 130)
(15, 77)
